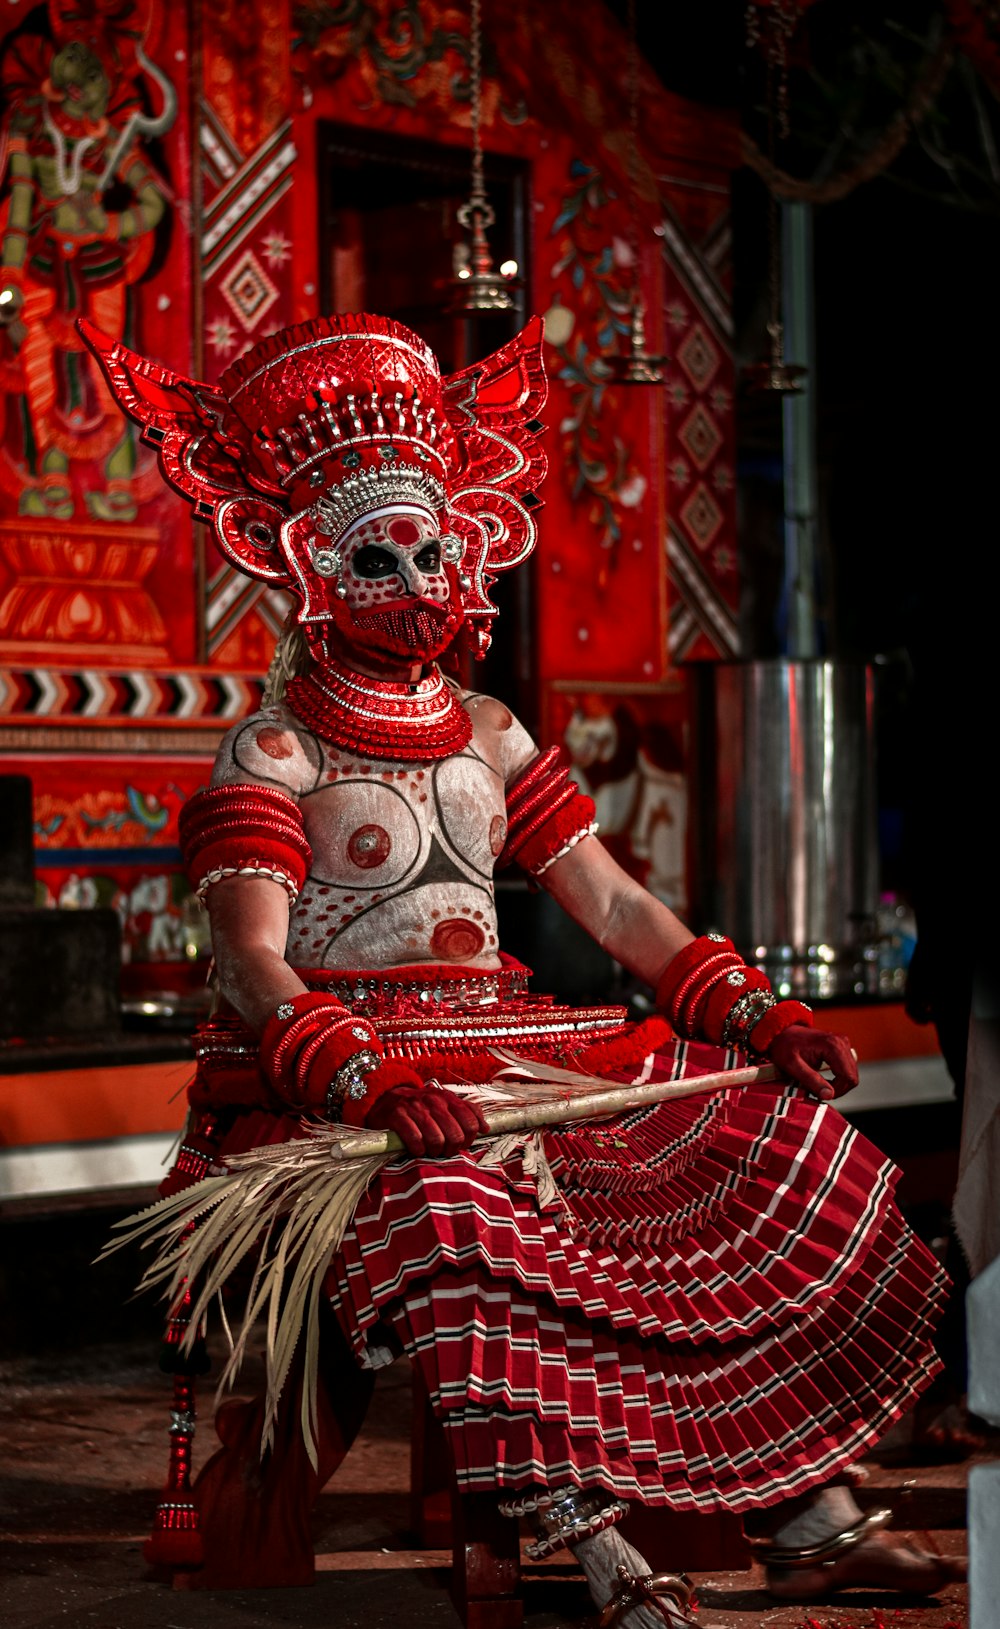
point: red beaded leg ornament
(325, 1060)
(176, 1537)
(244, 830)
(709, 990)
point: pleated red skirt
(721, 1306)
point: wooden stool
(486, 1549)
(485, 1546)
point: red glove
(427, 1119)
(799, 1052)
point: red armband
(244, 830)
(547, 815)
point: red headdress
(337, 418)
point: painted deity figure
(73, 132)
(713, 1304)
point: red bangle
(291, 1025)
(780, 1017)
(533, 798)
(693, 992)
(557, 833)
(531, 775)
(337, 1047)
(686, 960)
(247, 856)
(724, 996)
(280, 1065)
(313, 1044)
(543, 809)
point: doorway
(390, 242)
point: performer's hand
(799, 1052)
(427, 1119)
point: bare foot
(878, 1561)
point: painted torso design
(403, 853)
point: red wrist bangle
(313, 1044)
(724, 996)
(291, 1025)
(329, 1057)
(708, 944)
(781, 1017)
(689, 1001)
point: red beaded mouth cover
(328, 421)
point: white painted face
(390, 560)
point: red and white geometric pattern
(701, 534)
(240, 233)
(51, 695)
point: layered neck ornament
(388, 719)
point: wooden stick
(582, 1106)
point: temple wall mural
(167, 172)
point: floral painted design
(584, 324)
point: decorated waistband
(430, 1008)
(423, 1012)
(421, 989)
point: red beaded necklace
(380, 718)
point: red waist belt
(441, 1020)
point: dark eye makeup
(373, 562)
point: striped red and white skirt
(720, 1304)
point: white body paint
(403, 853)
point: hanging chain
(782, 20)
(774, 325)
(633, 144)
(478, 197)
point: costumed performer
(718, 1306)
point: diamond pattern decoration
(702, 516)
(248, 291)
(699, 357)
(700, 436)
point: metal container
(789, 856)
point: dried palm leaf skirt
(720, 1307)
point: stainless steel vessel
(789, 858)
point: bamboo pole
(583, 1105)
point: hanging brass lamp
(635, 366)
(775, 375)
(477, 287)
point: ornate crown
(375, 488)
(354, 408)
